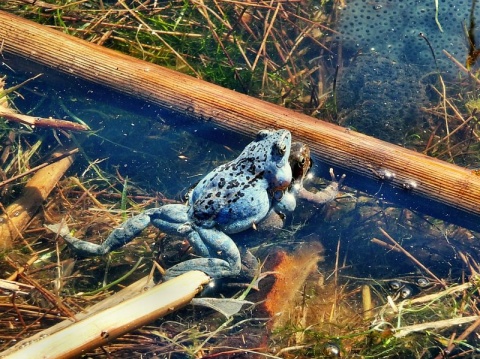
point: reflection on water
(164, 152)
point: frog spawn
(391, 29)
(403, 289)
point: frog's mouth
(282, 163)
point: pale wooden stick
(404, 331)
(98, 329)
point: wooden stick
(19, 213)
(109, 320)
(341, 147)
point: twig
(56, 302)
(13, 286)
(265, 37)
(40, 3)
(449, 135)
(438, 295)
(36, 168)
(203, 9)
(20, 270)
(42, 122)
(4, 92)
(455, 110)
(152, 31)
(461, 67)
(412, 258)
(404, 331)
(385, 245)
(462, 336)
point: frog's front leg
(326, 195)
(220, 255)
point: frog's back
(235, 195)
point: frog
(230, 199)
(301, 162)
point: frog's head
(300, 160)
(273, 149)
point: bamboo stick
(351, 151)
(110, 319)
(17, 215)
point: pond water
(163, 154)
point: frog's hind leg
(324, 196)
(210, 243)
(169, 218)
(131, 228)
(118, 238)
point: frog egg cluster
(383, 86)
(380, 97)
(391, 28)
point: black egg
(332, 350)
(423, 282)
(406, 292)
(395, 285)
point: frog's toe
(213, 267)
(59, 228)
(84, 248)
(334, 179)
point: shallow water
(164, 152)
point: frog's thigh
(169, 217)
(222, 246)
(175, 213)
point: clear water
(163, 152)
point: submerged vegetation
(389, 282)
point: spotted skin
(230, 199)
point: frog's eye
(262, 134)
(281, 148)
(302, 160)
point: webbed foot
(213, 267)
(326, 195)
(118, 238)
(83, 248)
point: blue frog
(230, 199)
